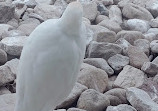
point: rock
(6, 12)
(28, 26)
(130, 36)
(153, 30)
(75, 109)
(143, 45)
(13, 33)
(4, 29)
(132, 11)
(105, 36)
(150, 36)
(100, 18)
(121, 107)
(154, 23)
(129, 77)
(7, 102)
(124, 44)
(93, 78)
(102, 9)
(36, 16)
(59, 110)
(103, 50)
(13, 65)
(138, 25)
(91, 100)
(73, 96)
(4, 90)
(47, 2)
(90, 10)
(6, 75)
(151, 87)
(48, 11)
(155, 61)
(152, 6)
(150, 68)
(107, 2)
(19, 11)
(155, 79)
(113, 26)
(13, 45)
(118, 61)
(140, 100)
(3, 56)
(100, 63)
(137, 57)
(154, 46)
(115, 14)
(31, 3)
(117, 96)
(13, 22)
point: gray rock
(48, 11)
(13, 22)
(13, 33)
(143, 45)
(4, 90)
(73, 96)
(7, 102)
(102, 9)
(115, 14)
(91, 100)
(113, 26)
(93, 78)
(153, 30)
(155, 61)
(19, 11)
(107, 2)
(138, 25)
(154, 23)
(137, 57)
(13, 45)
(129, 77)
(130, 36)
(90, 10)
(100, 63)
(4, 29)
(121, 107)
(154, 46)
(150, 36)
(100, 18)
(75, 109)
(3, 56)
(116, 96)
(6, 12)
(103, 50)
(152, 6)
(150, 68)
(118, 61)
(140, 100)
(105, 36)
(132, 11)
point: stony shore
(120, 69)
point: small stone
(13, 33)
(91, 100)
(93, 78)
(6, 12)
(150, 68)
(75, 109)
(130, 36)
(100, 18)
(155, 61)
(140, 100)
(107, 2)
(103, 50)
(90, 10)
(121, 107)
(129, 77)
(4, 90)
(152, 6)
(100, 63)
(73, 96)
(150, 36)
(143, 45)
(4, 28)
(118, 61)
(137, 57)
(3, 56)
(7, 102)
(138, 25)
(154, 46)
(102, 9)
(117, 96)
(154, 23)
(105, 36)
(153, 30)
(132, 11)
(13, 45)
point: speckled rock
(121, 107)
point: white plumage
(50, 61)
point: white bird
(50, 61)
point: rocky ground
(120, 69)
